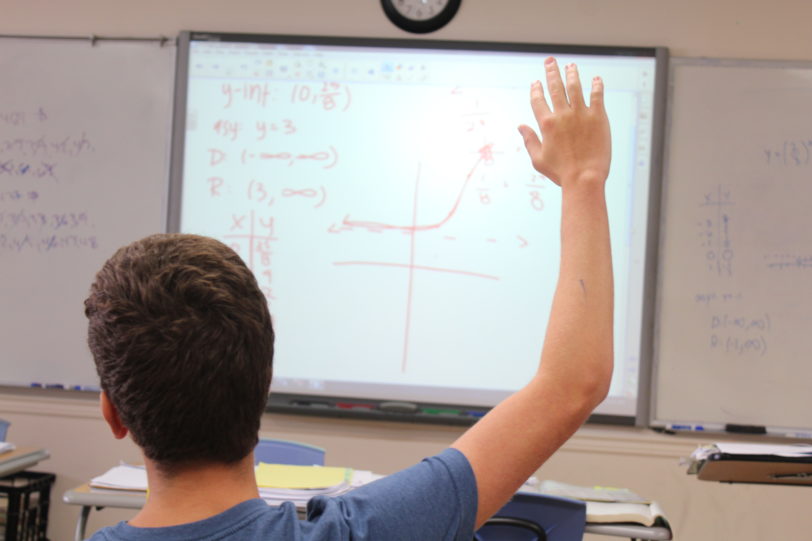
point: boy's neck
(195, 494)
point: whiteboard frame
(80, 385)
(658, 153)
(286, 403)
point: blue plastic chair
(536, 517)
(288, 452)
(4, 429)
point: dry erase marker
(398, 407)
(354, 406)
(311, 403)
(691, 427)
(440, 411)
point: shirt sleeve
(433, 500)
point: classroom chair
(288, 452)
(536, 517)
(3, 429)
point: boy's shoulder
(440, 490)
(252, 519)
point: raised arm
(519, 435)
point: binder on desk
(754, 463)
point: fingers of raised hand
(555, 86)
(576, 95)
(596, 97)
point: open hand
(575, 145)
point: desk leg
(81, 524)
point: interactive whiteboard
(382, 195)
(84, 137)
(734, 326)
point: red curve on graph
(379, 226)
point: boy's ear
(110, 415)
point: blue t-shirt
(435, 500)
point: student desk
(89, 499)
(20, 459)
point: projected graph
(455, 195)
(412, 230)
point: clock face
(419, 10)
(420, 16)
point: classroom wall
(80, 444)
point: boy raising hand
(183, 344)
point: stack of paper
(745, 451)
(122, 477)
(280, 482)
(594, 494)
(609, 504)
(277, 483)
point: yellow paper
(301, 477)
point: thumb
(531, 142)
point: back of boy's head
(183, 345)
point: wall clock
(420, 16)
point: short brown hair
(183, 344)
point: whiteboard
(84, 138)
(734, 324)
